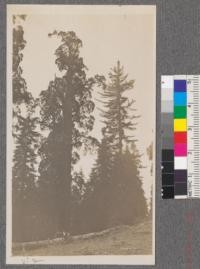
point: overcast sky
(108, 34)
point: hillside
(120, 240)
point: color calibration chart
(180, 126)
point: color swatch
(167, 117)
(180, 126)
(180, 132)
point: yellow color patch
(180, 125)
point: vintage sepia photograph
(81, 127)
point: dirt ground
(121, 240)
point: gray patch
(168, 142)
(167, 106)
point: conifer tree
(24, 177)
(128, 203)
(20, 92)
(19, 87)
(97, 201)
(118, 110)
(103, 166)
(26, 139)
(124, 201)
(68, 102)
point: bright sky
(108, 34)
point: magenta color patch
(180, 149)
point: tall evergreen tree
(68, 102)
(128, 203)
(20, 93)
(19, 87)
(103, 166)
(24, 177)
(97, 200)
(116, 196)
(25, 138)
(118, 192)
(117, 110)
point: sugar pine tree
(126, 197)
(118, 110)
(68, 102)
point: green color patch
(180, 112)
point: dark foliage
(118, 113)
(59, 199)
(20, 93)
(116, 196)
(66, 112)
(24, 200)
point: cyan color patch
(180, 99)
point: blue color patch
(180, 99)
(180, 85)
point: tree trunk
(120, 131)
(68, 125)
(67, 162)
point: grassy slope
(121, 240)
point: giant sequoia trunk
(67, 157)
(68, 125)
